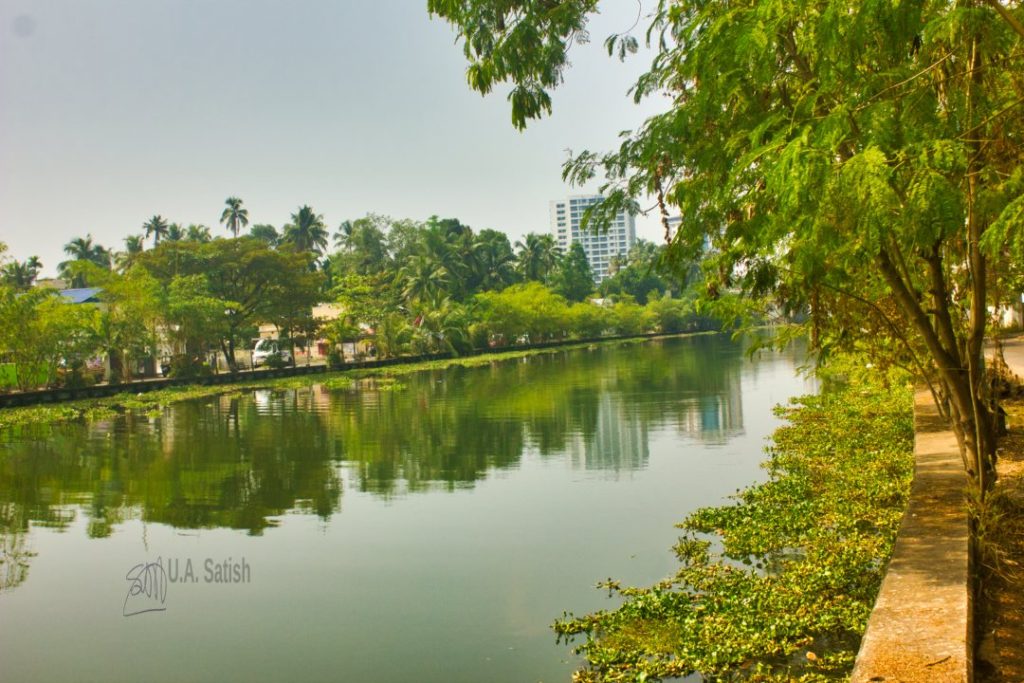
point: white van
(265, 348)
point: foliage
(307, 232)
(856, 163)
(39, 331)
(574, 280)
(234, 217)
(261, 283)
(779, 586)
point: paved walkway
(919, 630)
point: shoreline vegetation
(779, 585)
(153, 401)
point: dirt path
(1000, 614)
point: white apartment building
(566, 215)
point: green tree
(198, 233)
(538, 257)
(266, 232)
(364, 245)
(124, 327)
(307, 232)
(235, 216)
(574, 279)
(39, 331)
(859, 161)
(495, 261)
(82, 250)
(157, 227)
(21, 274)
(175, 232)
(261, 284)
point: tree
(538, 256)
(21, 274)
(39, 331)
(124, 327)
(307, 232)
(574, 280)
(133, 247)
(261, 284)
(235, 216)
(495, 261)
(82, 251)
(364, 244)
(859, 161)
(175, 232)
(423, 279)
(265, 232)
(637, 274)
(157, 227)
(198, 233)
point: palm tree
(266, 232)
(494, 261)
(21, 274)
(423, 279)
(82, 249)
(538, 256)
(133, 246)
(198, 233)
(157, 227)
(307, 231)
(175, 233)
(234, 216)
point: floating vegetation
(779, 586)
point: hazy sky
(114, 110)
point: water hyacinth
(779, 585)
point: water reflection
(242, 461)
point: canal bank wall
(921, 627)
(49, 396)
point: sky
(112, 111)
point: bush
(189, 367)
(335, 361)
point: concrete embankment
(920, 630)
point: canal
(424, 528)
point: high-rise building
(600, 247)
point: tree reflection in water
(241, 461)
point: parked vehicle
(266, 350)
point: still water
(425, 530)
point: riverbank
(138, 397)
(780, 585)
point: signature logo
(147, 589)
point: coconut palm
(538, 256)
(21, 274)
(423, 279)
(175, 233)
(133, 246)
(307, 231)
(234, 217)
(82, 249)
(198, 233)
(157, 227)
(266, 232)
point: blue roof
(82, 295)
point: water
(429, 530)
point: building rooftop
(82, 295)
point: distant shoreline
(62, 405)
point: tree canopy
(859, 161)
